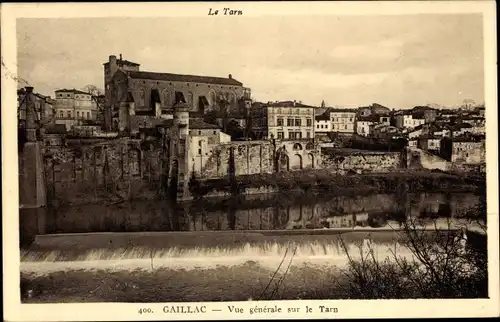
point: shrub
(441, 268)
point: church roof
(198, 124)
(184, 78)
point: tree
(223, 103)
(93, 90)
(96, 95)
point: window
(289, 122)
(68, 113)
(280, 135)
(199, 151)
(308, 135)
(215, 132)
(317, 126)
(280, 121)
(199, 143)
(291, 135)
(61, 114)
(78, 114)
(298, 122)
(88, 115)
(142, 98)
(199, 132)
(190, 99)
(309, 122)
(298, 135)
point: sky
(397, 61)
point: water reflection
(248, 213)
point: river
(250, 237)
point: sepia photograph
(220, 155)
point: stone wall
(116, 169)
(249, 158)
(362, 162)
(418, 158)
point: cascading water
(268, 254)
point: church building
(153, 93)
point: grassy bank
(336, 184)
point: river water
(226, 249)
(259, 212)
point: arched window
(142, 98)
(297, 146)
(166, 98)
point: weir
(195, 250)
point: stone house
(342, 120)
(74, 106)
(466, 149)
(44, 107)
(286, 120)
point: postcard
(249, 160)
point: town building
(73, 106)
(384, 131)
(427, 113)
(461, 129)
(287, 120)
(465, 149)
(203, 138)
(375, 108)
(384, 119)
(430, 143)
(43, 106)
(405, 120)
(323, 123)
(364, 124)
(343, 120)
(149, 90)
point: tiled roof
(462, 126)
(184, 78)
(288, 104)
(74, 91)
(370, 118)
(345, 110)
(199, 124)
(322, 117)
(55, 129)
(320, 110)
(469, 138)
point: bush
(441, 268)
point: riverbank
(236, 283)
(336, 184)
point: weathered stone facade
(366, 161)
(119, 169)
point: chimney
(294, 102)
(230, 76)
(120, 57)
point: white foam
(268, 255)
